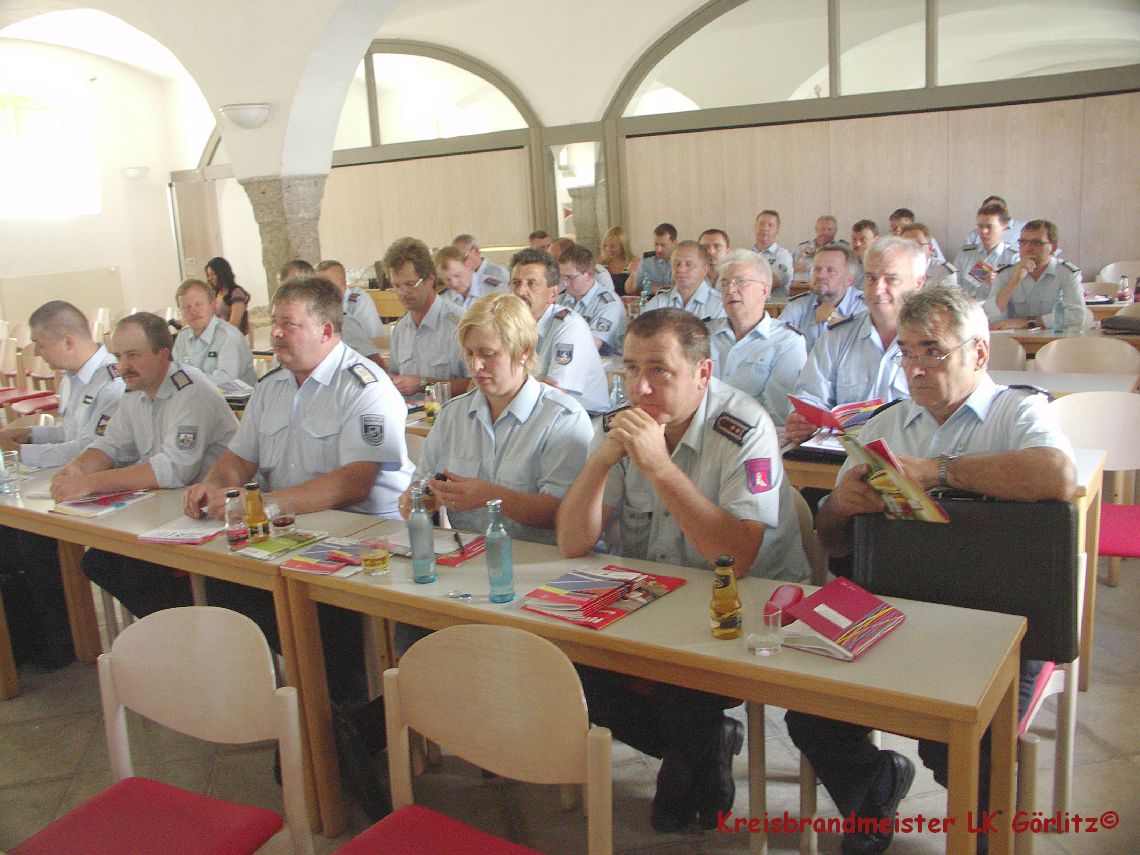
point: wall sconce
(248, 116)
(134, 173)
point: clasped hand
(635, 433)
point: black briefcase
(1013, 557)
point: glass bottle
(431, 405)
(1059, 312)
(237, 531)
(646, 288)
(422, 536)
(255, 516)
(500, 570)
(1123, 292)
(725, 610)
(618, 397)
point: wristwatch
(944, 469)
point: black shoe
(901, 772)
(359, 773)
(674, 805)
(52, 657)
(715, 786)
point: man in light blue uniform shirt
(425, 348)
(462, 288)
(980, 262)
(213, 346)
(486, 276)
(600, 308)
(854, 361)
(656, 267)
(1027, 292)
(750, 349)
(766, 228)
(939, 271)
(1012, 230)
(691, 290)
(826, 227)
(355, 301)
(567, 355)
(833, 297)
(960, 430)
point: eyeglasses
(407, 286)
(1031, 242)
(739, 282)
(926, 361)
(566, 280)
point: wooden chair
(1108, 420)
(1089, 355)
(1113, 272)
(388, 304)
(495, 696)
(206, 672)
(1006, 353)
(813, 549)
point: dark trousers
(341, 634)
(847, 763)
(36, 558)
(139, 585)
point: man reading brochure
(958, 430)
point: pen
(459, 543)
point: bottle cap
(725, 561)
(417, 492)
(253, 485)
(232, 494)
(494, 504)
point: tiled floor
(52, 756)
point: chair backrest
(1089, 355)
(1104, 420)
(1002, 556)
(206, 672)
(507, 701)
(813, 549)
(1113, 272)
(1006, 353)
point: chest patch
(731, 428)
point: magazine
(184, 530)
(96, 505)
(842, 417)
(278, 544)
(905, 498)
(330, 556)
(840, 620)
(651, 587)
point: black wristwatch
(944, 470)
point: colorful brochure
(840, 620)
(905, 498)
(184, 530)
(596, 598)
(329, 556)
(102, 503)
(842, 417)
(279, 544)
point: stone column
(287, 210)
(586, 216)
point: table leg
(9, 680)
(1091, 547)
(962, 789)
(316, 710)
(757, 776)
(80, 603)
(1003, 767)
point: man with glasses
(567, 356)
(750, 349)
(959, 430)
(901, 218)
(1024, 295)
(853, 361)
(938, 270)
(425, 345)
(833, 297)
(599, 306)
(691, 290)
(980, 262)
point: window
(882, 45)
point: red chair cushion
(12, 395)
(1120, 530)
(426, 832)
(138, 815)
(46, 404)
(1038, 688)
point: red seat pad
(425, 832)
(1038, 688)
(1120, 530)
(138, 815)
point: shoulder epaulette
(269, 374)
(950, 268)
(607, 296)
(793, 328)
(1003, 267)
(180, 380)
(731, 428)
(799, 296)
(492, 281)
(842, 322)
(1071, 266)
(354, 296)
(113, 370)
(1031, 389)
(361, 373)
(562, 315)
(886, 407)
(649, 254)
(969, 247)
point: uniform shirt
(479, 288)
(604, 278)
(705, 302)
(800, 314)
(566, 353)
(538, 444)
(992, 419)
(1012, 233)
(1032, 298)
(346, 411)
(849, 364)
(764, 364)
(432, 348)
(936, 250)
(353, 334)
(941, 272)
(362, 307)
(659, 270)
(180, 432)
(800, 256)
(87, 400)
(972, 261)
(781, 262)
(491, 277)
(603, 312)
(731, 454)
(221, 352)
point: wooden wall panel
(1110, 185)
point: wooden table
(1034, 340)
(917, 682)
(1065, 383)
(1100, 311)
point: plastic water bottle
(237, 530)
(646, 287)
(1059, 312)
(500, 569)
(422, 536)
(618, 397)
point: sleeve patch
(372, 429)
(562, 315)
(361, 373)
(354, 297)
(564, 354)
(180, 380)
(101, 425)
(602, 325)
(731, 428)
(187, 437)
(759, 470)
(113, 370)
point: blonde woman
(616, 256)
